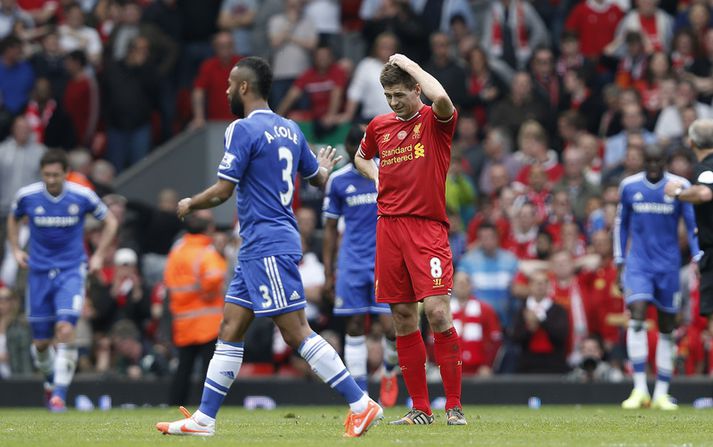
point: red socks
(448, 356)
(412, 359)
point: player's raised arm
(442, 105)
(211, 197)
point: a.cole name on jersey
(281, 132)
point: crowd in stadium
(557, 100)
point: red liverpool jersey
(414, 156)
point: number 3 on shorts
(436, 270)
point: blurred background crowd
(557, 100)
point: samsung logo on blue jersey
(362, 199)
(653, 208)
(55, 221)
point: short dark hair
(261, 81)
(353, 138)
(10, 42)
(195, 224)
(487, 225)
(53, 156)
(78, 56)
(392, 75)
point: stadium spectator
(133, 358)
(399, 18)
(19, 166)
(80, 164)
(533, 145)
(444, 67)
(293, 36)
(593, 366)
(521, 105)
(484, 87)
(523, 231)
(102, 177)
(195, 277)
(575, 184)
(541, 328)
(208, 96)
(325, 15)
(81, 98)
(579, 96)
(595, 22)
(630, 66)
(497, 150)
(48, 62)
(632, 120)
(74, 34)
(323, 86)
(198, 27)
(491, 270)
(467, 145)
(669, 125)
(547, 84)
(460, 191)
(16, 75)
(511, 31)
(655, 26)
(238, 18)
(130, 90)
(477, 324)
(15, 337)
(10, 14)
(364, 92)
(50, 124)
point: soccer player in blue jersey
(650, 270)
(352, 196)
(263, 153)
(55, 211)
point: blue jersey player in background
(55, 211)
(263, 153)
(648, 219)
(352, 196)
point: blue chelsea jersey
(650, 219)
(353, 196)
(57, 223)
(263, 153)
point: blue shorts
(268, 286)
(355, 294)
(52, 296)
(661, 289)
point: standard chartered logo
(402, 154)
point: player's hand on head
(328, 158)
(184, 208)
(399, 60)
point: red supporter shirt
(213, 79)
(414, 158)
(77, 103)
(319, 86)
(479, 329)
(595, 28)
(605, 299)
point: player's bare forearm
(329, 246)
(111, 225)
(211, 197)
(13, 232)
(434, 91)
(367, 168)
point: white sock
(222, 371)
(391, 356)
(355, 355)
(637, 346)
(43, 360)
(65, 363)
(664, 364)
(325, 362)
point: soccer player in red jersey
(413, 257)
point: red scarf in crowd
(38, 119)
(520, 39)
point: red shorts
(413, 259)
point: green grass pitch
(322, 426)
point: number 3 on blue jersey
(286, 154)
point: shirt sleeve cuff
(314, 174)
(698, 256)
(228, 178)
